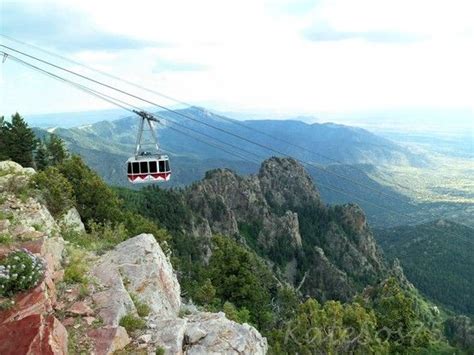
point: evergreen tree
(42, 158)
(4, 155)
(95, 201)
(21, 141)
(56, 149)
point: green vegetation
(55, 189)
(6, 239)
(435, 255)
(132, 323)
(6, 304)
(20, 271)
(94, 199)
(50, 152)
(460, 332)
(242, 279)
(143, 309)
(237, 315)
(18, 141)
(76, 269)
(385, 320)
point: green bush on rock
(20, 271)
(55, 189)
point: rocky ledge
(137, 271)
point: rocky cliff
(279, 213)
(133, 284)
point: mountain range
(340, 158)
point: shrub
(6, 239)
(95, 200)
(143, 309)
(20, 271)
(104, 236)
(206, 293)
(132, 323)
(56, 190)
(76, 270)
(237, 315)
(6, 304)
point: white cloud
(252, 55)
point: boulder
(11, 167)
(41, 298)
(108, 339)
(32, 335)
(213, 333)
(169, 335)
(139, 266)
(32, 214)
(72, 221)
(113, 303)
(28, 327)
(80, 309)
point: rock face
(211, 333)
(35, 334)
(230, 202)
(138, 268)
(279, 212)
(29, 326)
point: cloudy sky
(328, 58)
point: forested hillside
(438, 258)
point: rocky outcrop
(107, 340)
(211, 333)
(137, 269)
(29, 326)
(285, 183)
(228, 202)
(34, 334)
(272, 210)
(72, 221)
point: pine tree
(56, 149)
(4, 154)
(42, 158)
(21, 141)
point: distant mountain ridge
(340, 143)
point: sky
(405, 60)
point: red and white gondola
(145, 167)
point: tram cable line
(126, 106)
(278, 152)
(235, 122)
(133, 108)
(122, 104)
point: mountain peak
(285, 182)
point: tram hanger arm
(145, 115)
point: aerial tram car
(145, 166)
